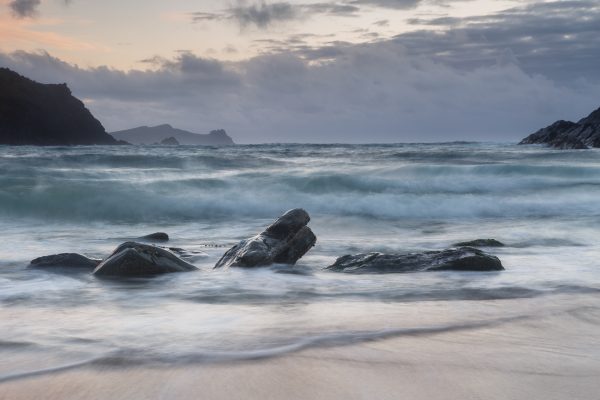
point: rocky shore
(285, 241)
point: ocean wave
(131, 358)
(135, 184)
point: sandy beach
(546, 357)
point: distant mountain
(156, 134)
(569, 135)
(33, 113)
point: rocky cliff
(569, 135)
(33, 113)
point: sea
(543, 204)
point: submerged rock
(137, 259)
(481, 243)
(156, 236)
(283, 242)
(459, 259)
(65, 260)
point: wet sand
(550, 357)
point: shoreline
(553, 356)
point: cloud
(367, 93)
(24, 8)
(557, 39)
(394, 4)
(262, 14)
(495, 77)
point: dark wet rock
(480, 243)
(65, 260)
(459, 259)
(569, 135)
(138, 259)
(283, 242)
(156, 236)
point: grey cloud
(200, 16)
(263, 14)
(332, 9)
(557, 39)
(368, 92)
(382, 22)
(496, 77)
(28, 8)
(24, 8)
(394, 4)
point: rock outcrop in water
(137, 259)
(283, 242)
(458, 259)
(170, 141)
(480, 243)
(33, 113)
(569, 135)
(156, 134)
(156, 237)
(65, 260)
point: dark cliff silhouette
(33, 113)
(569, 135)
(156, 134)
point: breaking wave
(132, 184)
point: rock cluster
(285, 241)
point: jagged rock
(569, 135)
(480, 243)
(283, 242)
(137, 259)
(459, 259)
(156, 236)
(33, 113)
(65, 260)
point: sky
(316, 71)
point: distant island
(166, 134)
(569, 135)
(33, 113)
